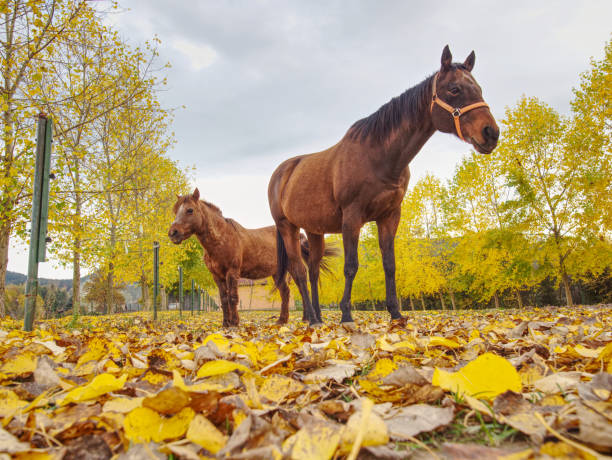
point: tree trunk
(76, 252)
(442, 300)
(5, 233)
(76, 278)
(144, 293)
(496, 298)
(566, 286)
(519, 298)
(411, 303)
(422, 301)
(452, 296)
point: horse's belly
(307, 201)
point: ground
(507, 384)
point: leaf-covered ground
(472, 384)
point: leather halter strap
(455, 112)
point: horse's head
(188, 217)
(457, 105)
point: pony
(232, 251)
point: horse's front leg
(222, 285)
(232, 294)
(350, 241)
(387, 228)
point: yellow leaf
(404, 344)
(220, 366)
(382, 368)
(587, 352)
(144, 425)
(23, 363)
(223, 344)
(122, 405)
(486, 377)
(364, 423)
(277, 388)
(197, 387)
(442, 342)
(315, 441)
(205, 434)
(10, 403)
(168, 402)
(101, 384)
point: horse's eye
(190, 211)
(454, 90)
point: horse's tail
(328, 253)
(282, 260)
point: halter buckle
(457, 112)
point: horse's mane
(408, 105)
(183, 199)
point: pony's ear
(177, 196)
(196, 194)
(447, 58)
(469, 61)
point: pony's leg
(350, 240)
(387, 228)
(316, 244)
(283, 289)
(222, 285)
(291, 238)
(232, 294)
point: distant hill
(18, 278)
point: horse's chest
(385, 202)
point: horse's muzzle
(175, 236)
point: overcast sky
(262, 81)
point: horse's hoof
(316, 325)
(349, 326)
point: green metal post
(192, 295)
(155, 277)
(181, 292)
(40, 205)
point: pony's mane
(183, 199)
(409, 105)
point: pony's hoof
(281, 322)
(316, 325)
(349, 326)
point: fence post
(155, 277)
(40, 207)
(180, 292)
(192, 294)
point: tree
(27, 30)
(548, 178)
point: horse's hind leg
(283, 289)
(291, 239)
(387, 228)
(350, 240)
(316, 245)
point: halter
(455, 112)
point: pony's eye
(454, 90)
(190, 211)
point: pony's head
(188, 217)
(457, 105)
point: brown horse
(232, 251)
(364, 177)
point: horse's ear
(196, 194)
(177, 196)
(447, 58)
(469, 61)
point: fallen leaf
(485, 377)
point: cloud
(200, 55)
